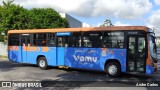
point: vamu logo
(85, 58)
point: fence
(3, 49)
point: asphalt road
(72, 78)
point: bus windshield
(153, 48)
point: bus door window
(25, 41)
(141, 54)
(65, 41)
(136, 53)
(62, 41)
(28, 41)
(131, 53)
(141, 46)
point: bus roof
(111, 28)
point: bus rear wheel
(42, 63)
(113, 69)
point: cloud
(154, 19)
(126, 9)
(118, 23)
(157, 2)
(97, 24)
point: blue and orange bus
(110, 49)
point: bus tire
(42, 63)
(113, 69)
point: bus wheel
(42, 63)
(113, 69)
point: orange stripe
(33, 48)
(13, 48)
(81, 29)
(45, 49)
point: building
(73, 22)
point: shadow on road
(6, 65)
(84, 78)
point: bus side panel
(51, 56)
(25, 54)
(93, 58)
(60, 56)
(14, 53)
(48, 52)
(149, 69)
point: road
(75, 79)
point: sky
(94, 12)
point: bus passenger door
(136, 54)
(62, 43)
(25, 44)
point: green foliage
(7, 3)
(46, 18)
(16, 17)
(12, 16)
(1, 38)
(106, 23)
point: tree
(107, 23)
(13, 17)
(1, 12)
(7, 3)
(16, 17)
(46, 18)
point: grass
(1, 56)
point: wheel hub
(112, 69)
(42, 63)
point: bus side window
(14, 40)
(51, 39)
(87, 42)
(75, 40)
(92, 39)
(113, 39)
(39, 39)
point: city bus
(114, 50)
